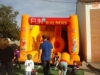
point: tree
(8, 23)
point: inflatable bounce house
(65, 43)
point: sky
(41, 8)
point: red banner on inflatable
(48, 21)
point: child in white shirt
(29, 65)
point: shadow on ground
(17, 71)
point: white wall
(83, 12)
(80, 10)
(88, 6)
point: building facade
(88, 12)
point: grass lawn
(17, 71)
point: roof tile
(88, 0)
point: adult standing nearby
(45, 54)
(6, 56)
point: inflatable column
(73, 35)
(24, 33)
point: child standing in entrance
(17, 56)
(56, 61)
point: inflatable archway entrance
(32, 28)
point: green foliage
(8, 23)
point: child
(75, 67)
(17, 55)
(56, 60)
(63, 67)
(29, 65)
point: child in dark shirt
(75, 67)
(17, 55)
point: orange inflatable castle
(32, 29)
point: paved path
(91, 71)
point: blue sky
(42, 8)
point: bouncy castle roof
(88, 0)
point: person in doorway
(6, 57)
(45, 54)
